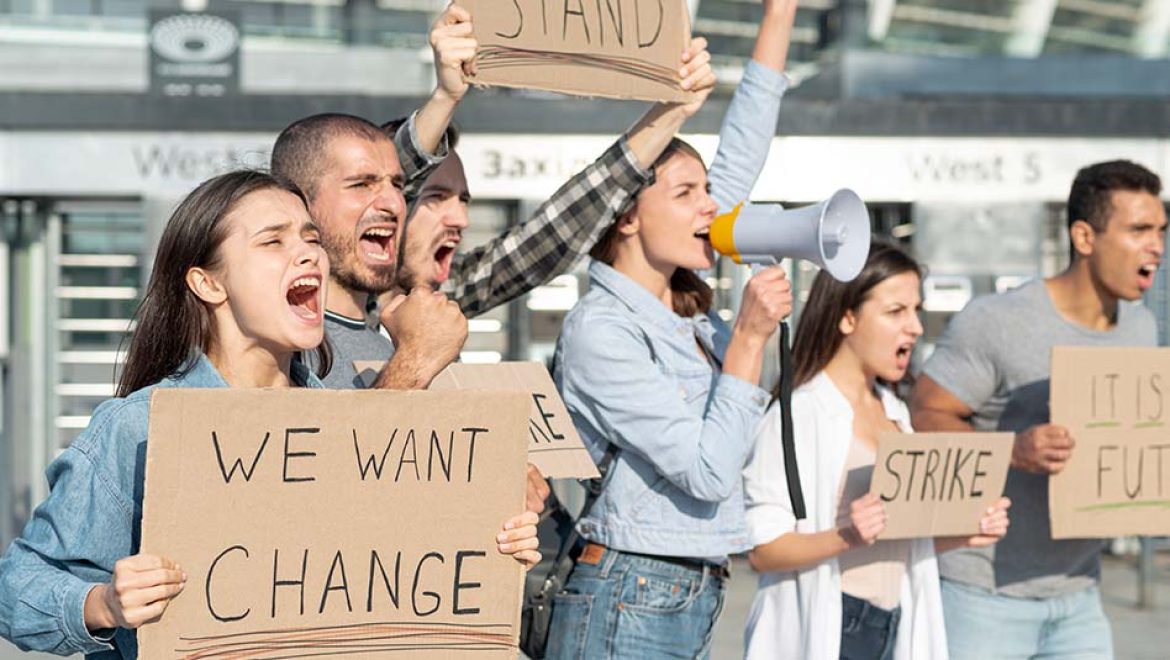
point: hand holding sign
(867, 520)
(1042, 449)
(519, 539)
(139, 592)
(697, 75)
(454, 48)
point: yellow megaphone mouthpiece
(722, 233)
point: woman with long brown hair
(235, 295)
(827, 588)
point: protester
(1030, 595)
(647, 368)
(355, 180)
(827, 589)
(235, 295)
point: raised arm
(750, 122)
(567, 225)
(420, 140)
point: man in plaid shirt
(354, 177)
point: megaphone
(833, 234)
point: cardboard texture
(939, 484)
(1114, 403)
(356, 523)
(626, 49)
(553, 444)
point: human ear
(206, 286)
(1082, 235)
(848, 323)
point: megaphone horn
(834, 234)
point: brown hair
(818, 335)
(690, 295)
(300, 154)
(173, 323)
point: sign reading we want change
(314, 523)
(628, 49)
(1114, 403)
(939, 484)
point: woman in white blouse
(827, 589)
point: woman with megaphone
(829, 589)
(664, 394)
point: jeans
(867, 631)
(982, 625)
(632, 606)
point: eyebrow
(275, 227)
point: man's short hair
(391, 127)
(299, 154)
(1091, 196)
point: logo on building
(194, 54)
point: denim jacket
(630, 373)
(91, 519)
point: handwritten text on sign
(939, 484)
(1114, 403)
(616, 48)
(315, 521)
(553, 443)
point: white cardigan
(797, 614)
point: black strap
(791, 471)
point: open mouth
(903, 352)
(1146, 275)
(704, 233)
(377, 244)
(302, 297)
(445, 254)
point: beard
(351, 273)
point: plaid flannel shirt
(530, 254)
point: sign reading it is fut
(1113, 401)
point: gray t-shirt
(353, 340)
(995, 357)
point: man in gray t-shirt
(1030, 595)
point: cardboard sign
(939, 484)
(553, 444)
(1114, 403)
(628, 49)
(318, 522)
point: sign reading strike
(939, 484)
(617, 48)
(1114, 403)
(316, 523)
(553, 444)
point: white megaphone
(833, 234)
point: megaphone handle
(791, 471)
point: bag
(559, 546)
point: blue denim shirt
(630, 373)
(91, 519)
